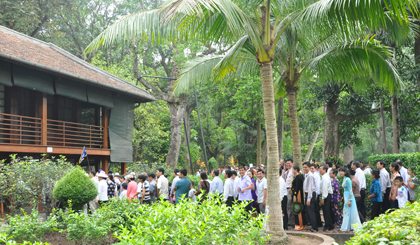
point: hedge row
(410, 160)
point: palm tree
(258, 25)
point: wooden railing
(71, 134)
(15, 129)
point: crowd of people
(303, 192)
(318, 186)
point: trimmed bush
(399, 227)
(75, 187)
(410, 160)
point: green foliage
(213, 163)
(335, 160)
(158, 223)
(82, 228)
(4, 239)
(140, 167)
(21, 183)
(75, 187)
(192, 223)
(26, 227)
(402, 226)
(409, 160)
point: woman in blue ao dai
(351, 219)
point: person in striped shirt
(143, 189)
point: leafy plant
(192, 223)
(76, 187)
(399, 227)
(20, 181)
(26, 227)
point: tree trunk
(275, 221)
(383, 126)
(264, 152)
(348, 155)
(258, 162)
(177, 115)
(280, 125)
(311, 146)
(332, 134)
(395, 126)
(294, 125)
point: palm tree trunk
(280, 125)
(395, 126)
(275, 222)
(258, 160)
(294, 125)
(383, 126)
(311, 147)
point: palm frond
(359, 63)
(198, 15)
(195, 71)
(145, 25)
(370, 12)
(229, 63)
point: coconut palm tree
(257, 27)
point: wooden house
(52, 102)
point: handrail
(81, 124)
(24, 130)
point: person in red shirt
(131, 188)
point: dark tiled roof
(48, 57)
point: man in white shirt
(236, 181)
(385, 186)
(283, 196)
(403, 172)
(318, 193)
(261, 190)
(162, 185)
(367, 170)
(326, 193)
(310, 195)
(329, 164)
(176, 175)
(102, 187)
(362, 187)
(216, 186)
(228, 189)
(289, 177)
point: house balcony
(22, 134)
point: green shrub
(4, 239)
(410, 160)
(336, 160)
(399, 227)
(192, 223)
(213, 163)
(20, 181)
(26, 227)
(75, 187)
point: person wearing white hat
(102, 196)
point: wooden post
(44, 115)
(105, 127)
(123, 168)
(105, 165)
